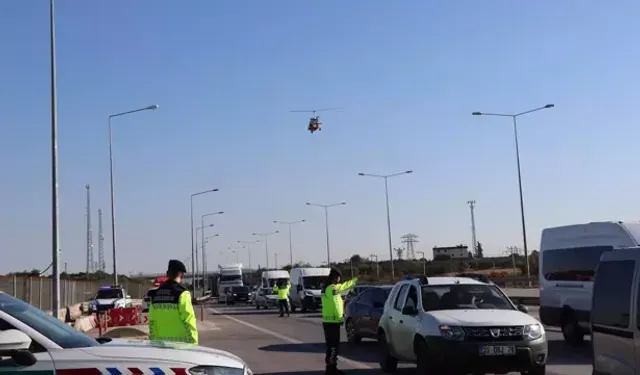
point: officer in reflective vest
(333, 317)
(171, 315)
(283, 296)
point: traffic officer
(333, 317)
(283, 296)
(171, 315)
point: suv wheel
(422, 361)
(352, 337)
(536, 370)
(572, 332)
(388, 363)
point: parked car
(348, 296)
(266, 298)
(364, 311)
(449, 325)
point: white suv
(458, 325)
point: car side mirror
(299, 288)
(409, 310)
(378, 305)
(15, 344)
(523, 308)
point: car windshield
(230, 278)
(463, 296)
(109, 294)
(53, 329)
(315, 282)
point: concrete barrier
(529, 296)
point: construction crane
(314, 122)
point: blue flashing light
(106, 287)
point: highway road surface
(294, 345)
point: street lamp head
(549, 106)
(476, 113)
(308, 204)
(360, 174)
(219, 213)
(407, 172)
(277, 231)
(254, 234)
(303, 221)
(343, 203)
(275, 222)
(152, 107)
(210, 225)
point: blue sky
(407, 74)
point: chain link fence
(37, 290)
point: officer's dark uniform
(171, 315)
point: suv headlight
(533, 331)
(217, 370)
(308, 294)
(452, 332)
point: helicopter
(314, 122)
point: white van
(306, 287)
(270, 278)
(614, 314)
(569, 256)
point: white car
(109, 297)
(33, 341)
(459, 325)
(265, 298)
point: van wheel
(536, 370)
(352, 337)
(571, 331)
(293, 308)
(388, 363)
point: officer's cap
(334, 273)
(176, 266)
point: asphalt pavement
(295, 345)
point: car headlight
(308, 294)
(533, 331)
(452, 332)
(217, 370)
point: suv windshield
(53, 329)
(463, 296)
(315, 282)
(109, 294)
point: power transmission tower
(474, 243)
(410, 240)
(101, 264)
(90, 264)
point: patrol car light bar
(422, 278)
(216, 370)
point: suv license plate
(494, 350)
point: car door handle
(391, 317)
(401, 321)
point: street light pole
(515, 135)
(193, 248)
(55, 225)
(474, 246)
(326, 223)
(249, 243)
(377, 265)
(202, 233)
(386, 194)
(196, 258)
(266, 242)
(113, 214)
(275, 255)
(204, 260)
(424, 264)
(289, 223)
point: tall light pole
(193, 248)
(202, 233)
(474, 246)
(202, 228)
(266, 242)
(326, 223)
(424, 263)
(55, 225)
(234, 251)
(289, 224)
(386, 194)
(204, 258)
(249, 243)
(275, 255)
(377, 266)
(113, 214)
(514, 118)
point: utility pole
(474, 246)
(276, 258)
(377, 266)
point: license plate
(494, 350)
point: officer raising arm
(333, 317)
(282, 288)
(171, 315)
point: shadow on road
(244, 312)
(366, 351)
(560, 353)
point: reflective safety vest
(283, 293)
(171, 315)
(332, 303)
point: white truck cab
(306, 287)
(228, 277)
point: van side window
(574, 264)
(612, 293)
(402, 295)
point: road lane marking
(351, 362)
